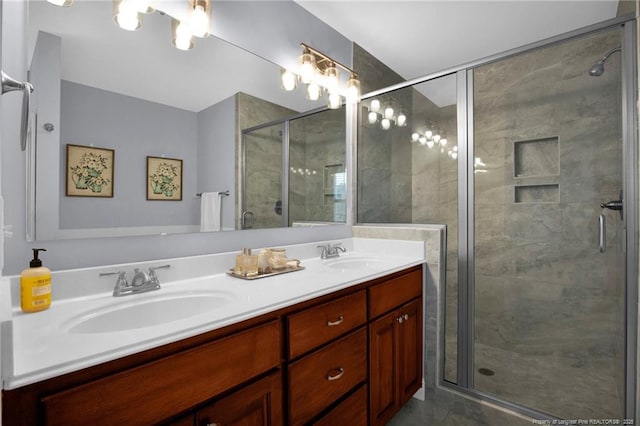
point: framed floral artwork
(164, 179)
(89, 171)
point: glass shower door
(262, 159)
(548, 328)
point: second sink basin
(153, 311)
(354, 263)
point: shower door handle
(602, 233)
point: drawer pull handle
(339, 321)
(337, 376)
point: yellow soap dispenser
(35, 285)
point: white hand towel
(210, 209)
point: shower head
(598, 68)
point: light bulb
(430, 143)
(307, 67)
(353, 89)
(428, 134)
(313, 91)
(436, 138)
(455, 148)
(385, 123)
(289, 80)
(422, 140)
(372, 117)
(126, 15)
(415, 137)
(199, 21)
(334, 101)
(375, 105)
(331, 78)
(388, 112)
(443, 141)
(64, 3)
(181, 38)
(401, 120)
(454, 155)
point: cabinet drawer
(319, 379)
(393, 293)
(155, 391)
(316, 326)
(352, 411)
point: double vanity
(339, 342)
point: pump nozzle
(35, 262)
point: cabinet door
(383, 372)
(410, 350)
(258, 404)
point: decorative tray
(269, 274)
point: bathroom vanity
(338, 343)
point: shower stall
(530, 159)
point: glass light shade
(331, 78)
(289, 80)
(375, 105)
(422, 140)
(353, 90)
(430, 143)
(401, 120)
(436, 138)
(443, 141)
(334, 101)
(307, 67)
(200, 19)
(64, 3)
(372, 117)
(385, 123)
(313, 91)
(181, 35)
(388, 113)
(126, 16)
(454, 155)
(428, 134)
(415, 137)
(455, 148)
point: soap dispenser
(35, 285)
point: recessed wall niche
(536, 167)
(536, 157)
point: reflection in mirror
(135, 93)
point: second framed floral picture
(164, 179)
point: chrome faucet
(330, 251)
(141, 282)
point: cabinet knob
(406, 317)
(339, 321)
(336, 376)
(400, 319)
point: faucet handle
(153, 268)
(153, 277)
(121, 282)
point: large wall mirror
(164, 125)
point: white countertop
(40, 345)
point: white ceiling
(414, 38)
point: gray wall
(135, 129)
(216, 155)
(89, 252)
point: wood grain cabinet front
(154, 392)
(395, 360)
(321, 378)
(257, 404)
(352, 411)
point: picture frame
(89, 171)
(164, 179)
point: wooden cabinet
(395, 353)
(353, 357)
(258, 404)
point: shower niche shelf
(536, 158)
(547, 193)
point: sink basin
(148, 312)
(355, 263)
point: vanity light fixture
(289, 80)
(388, 115)
(126, 15)
(200, 18)
(318, 71)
